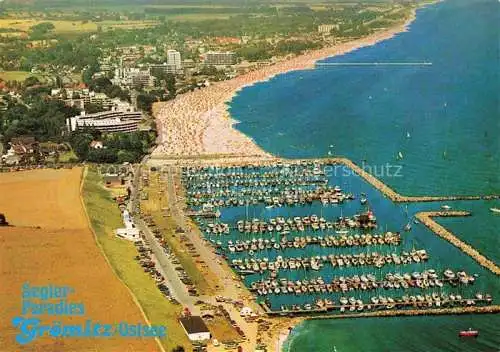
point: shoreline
(199, 123)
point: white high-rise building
(174, 58)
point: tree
(102, 156)
(39, 30)
(170, 84)
(88, 73)
(81, 144)
(145, 101)
(100, 84)
(31, 81)
(126, 156)
(92, 108)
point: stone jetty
(426, 218)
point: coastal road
(177, 288)
(229, 286)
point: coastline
(199, 123)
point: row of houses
(81, 98)
(27, 148)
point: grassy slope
(105, 217)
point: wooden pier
(426, 219)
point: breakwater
(426, 219)
(417, 312)
(317, 313)
(395, 196)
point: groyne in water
(426, 219)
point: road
(177, 289)
(215, 264)
(229, 287)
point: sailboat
(363, 199)
(408, 135)
(400, 155)
(408, 224)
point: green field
(22, 75)
(72, 26)
(105, 217)
(198, 16)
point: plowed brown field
(50, 243)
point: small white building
(195, 328)
(96, 145)
(129, 232)
(246, 312)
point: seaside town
(163, 214)
(112, 88)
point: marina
(373, 118)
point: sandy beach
(198, 123)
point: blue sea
(438, 124)
(449, 110)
